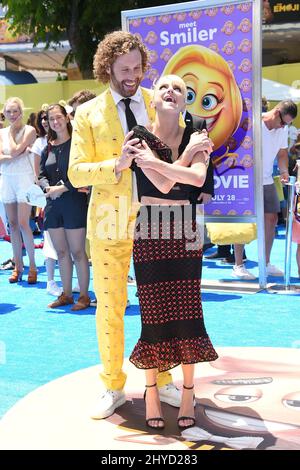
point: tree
(83, 22)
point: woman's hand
(204, 198)
(144, 157)
(54, 192)
(199, 142)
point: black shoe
(215, 255)
(206, 246)
(229, 260)
(8, 264)
(93, 303)
(9, 260)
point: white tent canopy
(275, 91)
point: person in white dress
(17, 174)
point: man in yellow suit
(100, 158)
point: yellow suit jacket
(96, 143)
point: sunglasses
(282, 122)
(44, 118)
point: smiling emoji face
(258, 395)
(212, 91)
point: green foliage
(82, 22)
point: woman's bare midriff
(147, 200)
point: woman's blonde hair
(16, 100)
(173, 78)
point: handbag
(230, 233)
(34, 195)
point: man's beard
(122, 89)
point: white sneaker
(170, 394)
(273, 270)
(53, 289)
(242, 273)
(76, 289)
(107, 403)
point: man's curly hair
(113, 46)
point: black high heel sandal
(190, 418)
(158, 419)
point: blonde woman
(170, 163)
(17, 170)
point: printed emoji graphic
(228, 28)
(165, 19)
(212, 90)
(247, 143)
(245, 26)
(247, 161)
(245, 66)
(228, 9)
(256, 393)
(229, 48)
(245, 46)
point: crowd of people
(134, 173)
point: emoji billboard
(211, 49)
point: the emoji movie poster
(211, 49)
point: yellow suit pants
(111, 261)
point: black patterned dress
(167, 255)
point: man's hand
(125, 160)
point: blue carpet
(38, 344)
